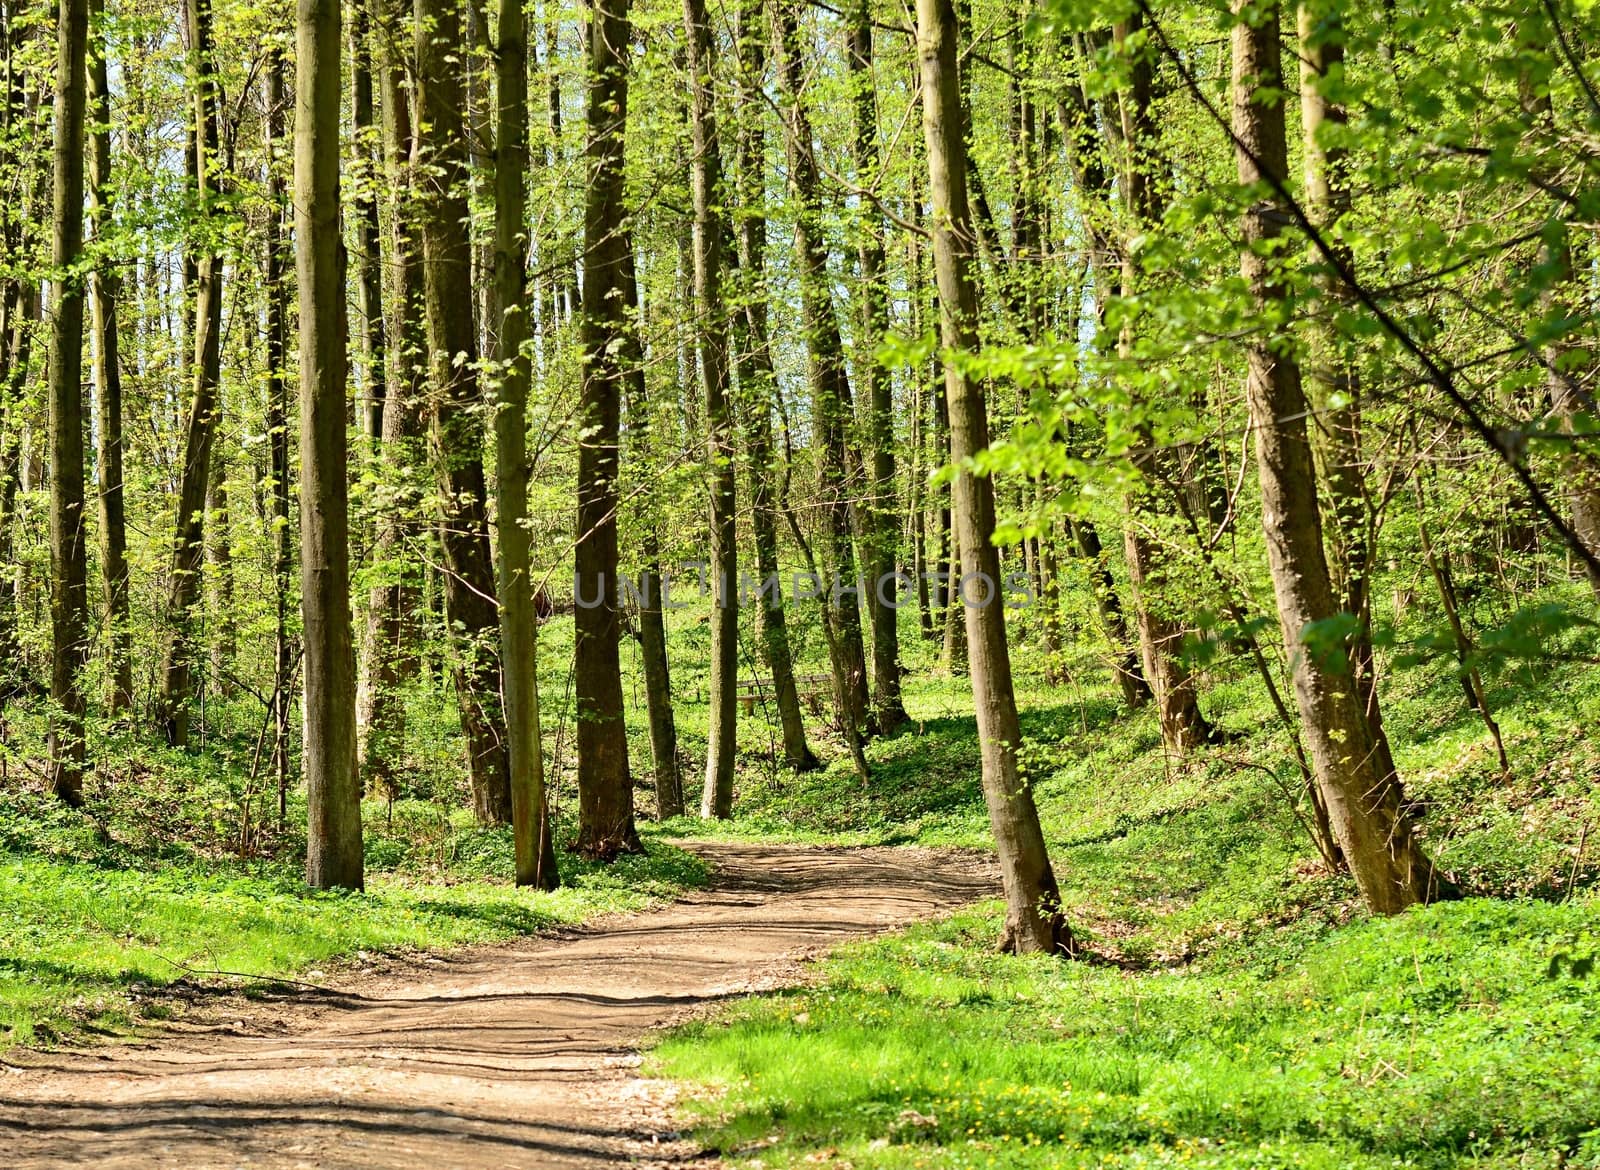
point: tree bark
(1363, 803)
(1335, 381)
(1033, 903)
(219, 555)
(605, 787)
(1183, 726)
(711, 337)
(1080, 134)
(519, 629)
(456, 424)
(882, 512)
(369, 274)
(205, 373)
(652, 619)
(758, 383)
(830, 386)
(69, 563)
(105, 287)
(277, 420)
(333, 799)
(389, 657)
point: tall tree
(652, 617)
(277, 419)
(205, 373)
(105, 288)
(1033, 902)
(363, 178)
(389, 649)
(455, 396)
(519, 647)
(1363, 804)
(605, 788)
(711, 337)
(832, 410)
(69, 562)
(1335, 380)
(1183, 725)
(333, 797)
(758, 382)
(881, 516)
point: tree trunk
(1336, 382)
(758, 383)
(1363, 803)
(105, 286)
(1130, 674)
(369, 273)
(882, 512)
(69, 565)
(605, 788)
(1033, 903)
(277, 420)
(652, 619)
(219, 555)
(711, 336)
(519, 628)
(1081, 135)
(205, 372)
(389, 658)
(1183, 726)
(333, 799)
(830, 385)
(457, 425)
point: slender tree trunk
(69, 563)
(711, 336)
(105, 286)
(605, 787)
(652, 618)
(333, 799)
(369, 273)
(1183, 726)
(219, 554)
(1363, 804)
(1081, 135)
(1335, 383)
(390, 658)
(758, 383)
(277, 419)
(561, 274)
(1130, 674)
(205, 372)
(953, 655)
(519, 627)
(830, 384)
(1033, 903)
(457, 426)
(882, 513)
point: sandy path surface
(517, 1055)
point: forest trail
(514, 1055)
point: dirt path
(519, 1055)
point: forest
(1078, 520)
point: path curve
(516, 1055)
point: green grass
(1242, 1009)
(1433, 1039)
(94, 935)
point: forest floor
(519, 1054)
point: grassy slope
(1247, 1012)
(94, 930)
